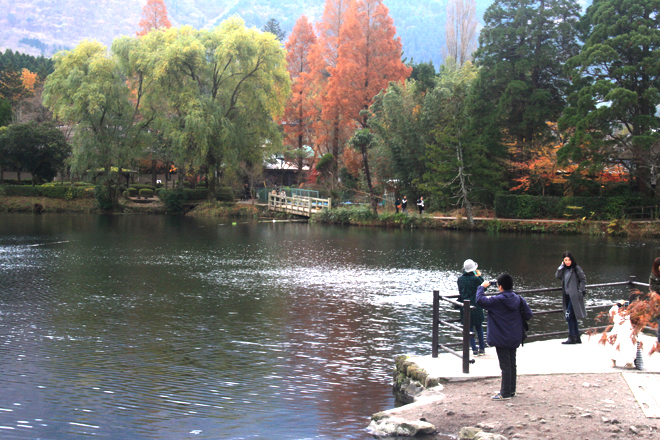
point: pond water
(159, 327)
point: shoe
(498, 396)
(513, 394)
(577, 340)
(481, 353)
(570, 340)
(475, 353)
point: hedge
(222, 194)
(146, 192)
(55, 191)
(595, 208)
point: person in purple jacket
(506, 311)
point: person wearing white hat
(467, 290)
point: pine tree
(614, 112)
(522, 85)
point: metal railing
(464, 329)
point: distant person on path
(506, 312)
(397, 205)
(404, 205)
(654, 286)
(420, 205)
(467, 290)
(573, 284)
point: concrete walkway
(541, 357)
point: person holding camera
(573, 286)
(467, 290)
(506, 312)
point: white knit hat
(470, 266)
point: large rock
(383, 425)
(472, 433)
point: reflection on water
(164, 327)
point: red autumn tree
(369, 57)
(331, 128)
(299, 112)
(154, 16)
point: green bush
(146, 192)
(102, 197)
(173, 200)
(224, 195)
(345, 216)
(132, 191)
(139, 186)
(22, 191)
(51, 190)
(594, 208)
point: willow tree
(88, 91)
(214, 94)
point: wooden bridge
(298, 205)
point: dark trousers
(479, 331)
(507, 358)
(571, 319)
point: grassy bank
(47, 205)
(365, 217)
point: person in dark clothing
(420, 205)
(397, 205)
(404, 204)
(467, 290)
(573, 284)
(506, 312)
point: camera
(493, 282)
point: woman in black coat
(573, 284)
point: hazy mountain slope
(44, 26)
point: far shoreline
(618, 227)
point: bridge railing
(299, 205)
(464, 326)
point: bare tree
(461, 30)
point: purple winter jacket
(505, 328)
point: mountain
(45, 26)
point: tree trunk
(462, 179)
(365, 162)
(153, 172)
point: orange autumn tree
(331, 126)
(369, 59)
(154, 16)
(299, 112)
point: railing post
(632, 279)
(436, 323)
(466, 336)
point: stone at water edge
(472, 433)
(397, 427)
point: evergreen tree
(614, 112)
(522, 85)
(273, 26)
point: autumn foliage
(299, 112)
(354, 56)
(154, 16)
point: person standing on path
(573, 284)
(467, 290)
(404, 205)
(506, 312)
(420, 205)
(397, 205)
